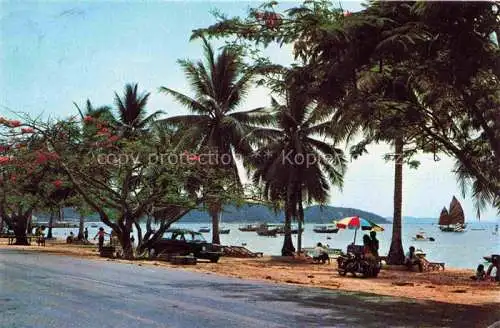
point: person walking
(101, 233)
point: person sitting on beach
(412, 259)
(39, 234)
(480, 273)
(320, 254)
(368, 248)
(70, 238)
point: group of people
(370, 246)
(71, 237)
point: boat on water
(496, 230)
(326, 229)
(224, 231)
(94, 225)
(204, 229)
(454, 219)
(420, 236)
(248, 227)
(269, 230)
(281, 228)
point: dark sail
(456, 212)
(444, 218)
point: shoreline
(450, 286)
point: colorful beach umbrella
(356, 223)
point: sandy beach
(450, 286)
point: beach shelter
(356, 223)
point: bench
(436, 266)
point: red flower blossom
(4, 160)
(347, 13)
(14, 123)
(88, 119)
(27, 130)
(57, 183)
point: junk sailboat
(454, 219)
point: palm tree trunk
(215, 227)
(301, 220)
(396, 253)
(288, 249)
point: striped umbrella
(356, 223)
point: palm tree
(132, 117)
(219, 86)
(292, 164)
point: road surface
(42, 290)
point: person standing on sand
(101, 233)
(374, 243)
(86, 234)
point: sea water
(457, 250)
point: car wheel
(214, 260)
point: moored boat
(204, 229)
(420, 236)
(454, 219)
(267, 230)
(326, 229)
(224, 231)
(248, 227)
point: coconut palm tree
(292, 163)
(132, 117)
(220, 86)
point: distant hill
(252, 213)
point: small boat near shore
(224, 231)
(268, 230)
(422, 237)
(326, 229)
(248, 228)
(94, 225)
(204, 229)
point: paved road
(41, 290)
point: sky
(54, 53)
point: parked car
(185, 242)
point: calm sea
(458, 250)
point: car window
(179, 236)
(167, 235)
(198, 237)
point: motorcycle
(355, 263)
